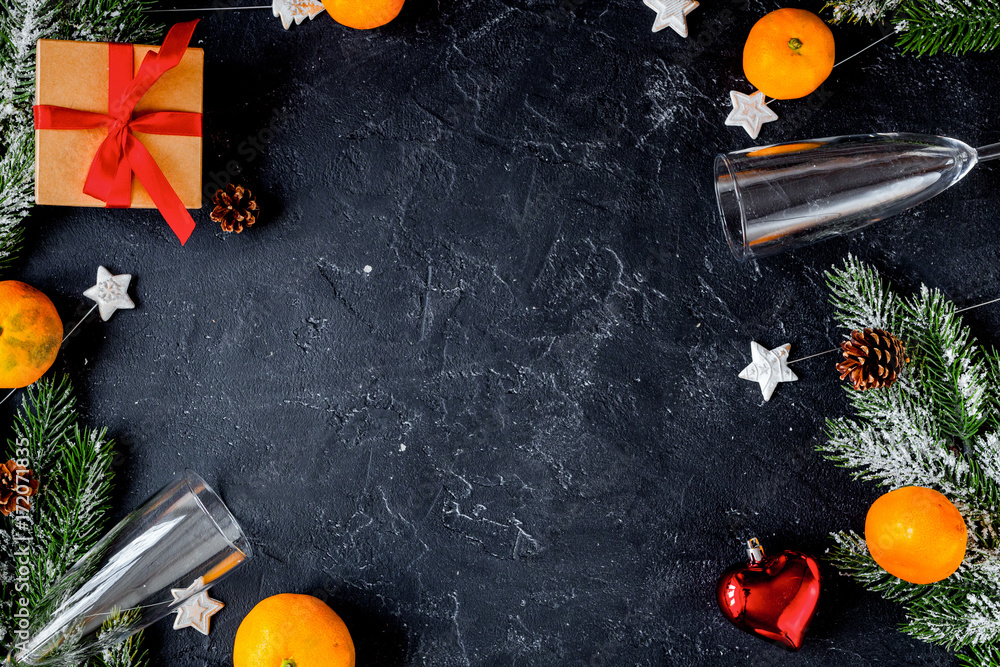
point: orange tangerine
(916, 534)
(30, 334)
(788, 54)
(293, 631)
(363, 14)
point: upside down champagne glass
(182, 536)
(786, 196)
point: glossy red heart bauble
(773, 598)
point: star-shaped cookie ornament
(296, 10)
(197, 609)
(749, 112)
(769, 367)
(671, 13)
(110, 293)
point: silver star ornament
(197, 609)
(296, 10)
(749, 112)
(769, 367)
(671, 13)
(110, 293)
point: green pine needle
(980, 656)
(861, 11)
(948, 26)
(122, 654)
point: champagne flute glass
(184, 538)
(786, 196)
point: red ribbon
(121, 154)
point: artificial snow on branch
(22, 24)
(937, 427)
(929, 26)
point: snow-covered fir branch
(72, 513)
(16, 179)
(850, 555)
(126, 653)
(988, 448)
(951, 368)
(862, 11)
(888, 457)
(928, 26)
(949, 26)
(22, 24)
(956, 618)
(861, 298)
(980, 656)
(935, 427)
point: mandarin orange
(363, 14)
(788, 54)
(30, 334)
(293, 631)
(916, 534)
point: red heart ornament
(771, 597)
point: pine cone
(873, 359)
(235, 208)
(13, 476)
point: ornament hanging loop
(755, 551)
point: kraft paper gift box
(75, 75)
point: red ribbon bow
(121, 154)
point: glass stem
(990, 152)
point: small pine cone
(235, 208)
(873, 359)
(13, 482)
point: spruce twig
(948, 26)
(936, 427)
(926, 27)
(861, 11)
(126, 653)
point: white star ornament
(749, 112)
(768, 368)
(671, 13)
(296, 10)
(110, 293)
(197, 609)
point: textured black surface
(520, 438)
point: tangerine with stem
(788, 54)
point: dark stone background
(520, 438)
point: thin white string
(877, 41)
(207, 9)
(853, 55)
(92, 309)
(818, 354)
(75, 327)
(978, 305)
